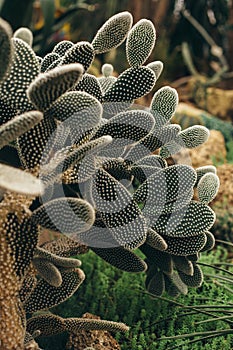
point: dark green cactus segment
(189, 221)
(183, 264)
(6, 48)
(153, 141)
(65, 215)
(9, 155)
(39, 60)
(55, 64)
(45, 296)
(153, 211)
(131, 84)
(106, 83)
(47, 87)
(22, 237)
(99, 235)
(56, 259)
(83, 171)
(18, 181)
(142, 172)
(111, 109)
(178, 283)
(153, 160)
(118, 211)
(24, 34)
(47, 324)
(107, 189)
(81, 52)
(160, 259)
(27, 287)
(207, 187)
(29, 339)
(48, 271)
(48, 60)
(170, 288)
(204, 170)
(81, 110)
(122, 258)
(127, 127)
(195, 280)
(69, 158)
(169, 149)
(109, 152)
(163, 105)
(32, 144)
(75, 325)
(62, 47)
(117, 168)
(91, 85)
(193, 136)
(157, 67)
(166, 185)
(194, 257)
(56, 143)
(18, 126)
(140, 42)
(156, 241)
(113, 32)
(156, 285)
(210, 242)
(6, 112)
(24, 69)
(186, 245)
(166, 133)
(65, 247)
(146, 167)
(150, 272)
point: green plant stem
(189, 335)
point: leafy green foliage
(120, 296)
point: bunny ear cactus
(113, 32)
(140, 42)
(24, 34)
(17, 126)
(89, 172)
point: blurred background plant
(205, 25)
(195, 40)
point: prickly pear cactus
(92, 168)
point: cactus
(88, 173)
(207, 187)
(24, 34)
(18, 126)
(140, 42)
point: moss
(119, 296)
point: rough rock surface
(211, 152)
(225, 193)
(98, 340)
